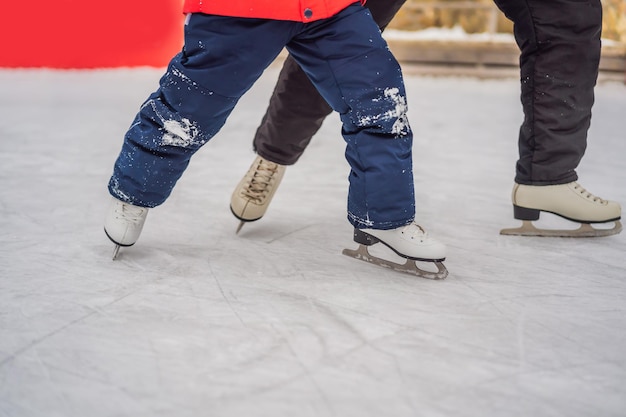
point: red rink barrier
(89, 34)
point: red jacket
(297, 10)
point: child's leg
(296, 110)
(360, 78)
(220, 61)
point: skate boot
(123, 224)
(253, 194)
(411, 242)
(569, 201)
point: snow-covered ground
(197, 321)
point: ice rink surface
(197, 321)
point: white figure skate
(411, 242)
(253, 194)
(124, 223)
(570, 201)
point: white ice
(197, 321)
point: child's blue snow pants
(346, 59)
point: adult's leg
(195, 97)
(560, 52)
(296, 110)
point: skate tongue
(587, 194)
(132, 213)
(414, 230)
(258, 186)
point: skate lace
(131, 214)
(258, 187)
(415, 231)
(588, 195)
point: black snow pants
(559, 41)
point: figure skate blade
(409, 267)
(584, 230)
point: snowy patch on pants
(180, 133)
(397, 113)
(359, 221)
(114, 187)
(175, 72)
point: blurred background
(473, 37)
(436, 37)
(479, 16)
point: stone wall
(477, 16)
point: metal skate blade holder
(585, 230)
(409, 267)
